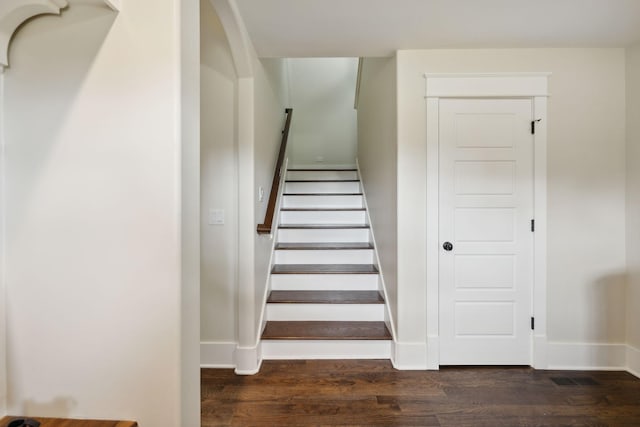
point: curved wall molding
(14, 13)
(237, 36)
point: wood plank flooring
(372, 393)
(63, 422)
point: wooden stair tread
(322, 180)
(322, 194)
(324, 269)
(321, 209)
(333, 330)
(322, 170)
(322, 245)
(322, 226)
(325, 297)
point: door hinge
(533, 126)
(533, 323)
(533, 225)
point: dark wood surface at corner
(65, 422)
(372, 393)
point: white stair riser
(322, 187)
(322, 202)
(323, 217)
(328, 256)
(320, 175)
(326, 349)
(318, 235)
(325, 312)
(324, 282)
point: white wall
(377, 156)
(219, 186)
(93, 214)
(323, 130)
(633, 200)
(586, 196)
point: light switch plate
(216, 216)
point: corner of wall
(248, 360)
(3, 319)
(407, 356)
(633, 208)
(116, 5)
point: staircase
(324, 301)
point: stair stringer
(388, 318)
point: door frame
(533, 86)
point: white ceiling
(294, 28)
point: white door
(486, 239)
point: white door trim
(532, 86)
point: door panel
(486, 205)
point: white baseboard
(409, 356)
(217, 354)
(248, 360)
(633, 361)
(581, 356)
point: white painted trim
(540, 235)
(388, 318)
(237, 36)
(539, 352)
(409, 356)
(248, 360)
(3, 289)
(187, 92)
(432, 228)
(584, 356)
(633, 360)
(247, 319)
(489, 85)
(501, 85)
(433, 352)
(358, 83)
(217, 354)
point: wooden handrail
(265, 228)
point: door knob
(447, 246)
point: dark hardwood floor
(372, 393)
